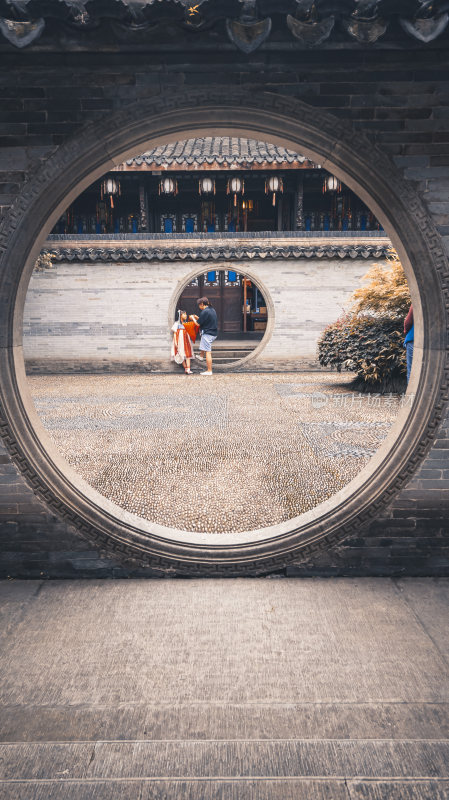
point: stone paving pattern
(223, 454)
(240, 689)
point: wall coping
(211, 250)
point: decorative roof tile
(222, 251)
(221, 150)
(248, 23)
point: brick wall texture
(120, 310)
(398, 97)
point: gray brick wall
(399, 98)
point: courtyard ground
(226, 453)
(240, 689)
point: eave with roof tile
(217, 153)
(216, 247)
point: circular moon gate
(245, 273)
(366, 170)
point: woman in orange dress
(184, 334)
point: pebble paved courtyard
(228, 453)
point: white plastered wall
(120, 310)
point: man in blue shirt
(208, 323)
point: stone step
(254, 789)
(234, 345)
(230, 354)
(322, 759)
(233, 350)
(224, 721)
(226, 359)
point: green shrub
(369, 339)
(370, 346)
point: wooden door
(190, 296)
(232, 308)
(211, 287)
(224, 291)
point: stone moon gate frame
(365, 169)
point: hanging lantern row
(331, 184)
(168, 186)
(110, 187)
(206, 186)
(235, 186)
(273, 185)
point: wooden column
(299, 203)
(143, 207)
(280, 204)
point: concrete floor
(266, 689)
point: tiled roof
(220, 150)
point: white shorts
(206, 342)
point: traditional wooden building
(274, 241)
(217, 184)
(216, 188)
